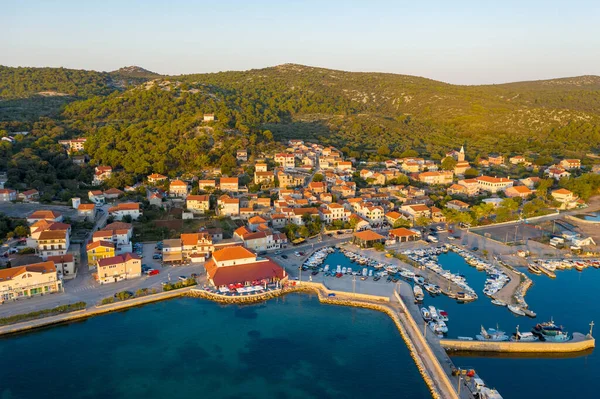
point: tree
(423, 221)
(401, 222)
(379, 247)
(21, 231)
(318, 177)
(471, 173)
(449, 163)
(383, 150)
(543, 186)
(268, 135)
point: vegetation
(125, 295)
(12, 227)
(180, 284)
(38, 314)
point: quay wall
(576, 219)
(89, 312)
(579, 343)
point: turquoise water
(594, 216)
(291, 347)
(572, 299)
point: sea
(572, 300)
(288, 347)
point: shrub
(38, 314)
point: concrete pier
(579, 343)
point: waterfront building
(366, 238)
(233, 265)
(119, 267)
(403, 235)
(29, 280)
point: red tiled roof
(267, 269)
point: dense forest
(143, 122)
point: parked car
(153, 272)
(182, 278)
(451, 238)
(475, 249)
(194, 275)
(284, 256)
(157, 256)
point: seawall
(579, 343)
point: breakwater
(579, 343)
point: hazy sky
(466, 42)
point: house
(471, 186)
(50, 216)
(457, 205)
(208, 117)
(29, 280)
(416, 211)
(206, 185)
(496, 159)
(332, 212)
(367, 238)
(518, 191)
(290, 179)
(317, 187)
(97, 250)
(393, 217)
(230, 184)
(53, 242)
(131, 209)
(29, 196)
(493, 184)
(570, 164)
(344, 165)
(227, 206)
(73, 145)
(155, 178)
(377, 179)
(96, 196)
(297, 214)
(530, 182)
(7, 195)
(403, 235)
(444, 177)
(101, 173)
(285, 160)
(156, 199)
(359, 223)
(241, 155)
(461, 167)
(65, 266)
(36, 229)
(255, 221)
(118, 233)
(87, 211)
(118, 268)
(260, 167)
(557, 173)
(232, 265)
(196, 247)
(566, 198)
(198, 203)
(178, 188)
(113, 193)
(265, 178)
(517, 159)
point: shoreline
(427, 364)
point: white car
(451, 238)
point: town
(250, 233)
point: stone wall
(579, 343)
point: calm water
(573, 300)
(594, 216)
(290, 347)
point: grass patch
(38, 314)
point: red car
(153, 272)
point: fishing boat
(418, 291)
(491, 335)
(523, 337)
(516, 310)
(498, 302)
(534, 269)
(579, 266)
(547, 328)
(425, 313)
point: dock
(579, 343)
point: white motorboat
(516, 310)
(433, 312)
(419, 280)
(425, 313)
(442, 326)
(498, 302)
(418, 291)
(491, 335)
(442, 315)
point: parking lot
(511, 233)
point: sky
(460, 42)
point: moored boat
(534, 269)
(491, 335)
(425, 313)
(516, 310)
(498, 302)
(418, 291)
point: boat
(419, 280)
(425, 313)
(436, 328)
(579, 266)
(344, 270)
(364, 271)
(418, 291)
(433, 312)
(547, 328)
(442, 315)
(498, 302)
(465, 338)
(523, 337)
(491, 335)
(516, 310)
(370, 273)
(534, 269)
(443, 328)
(432, 289)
